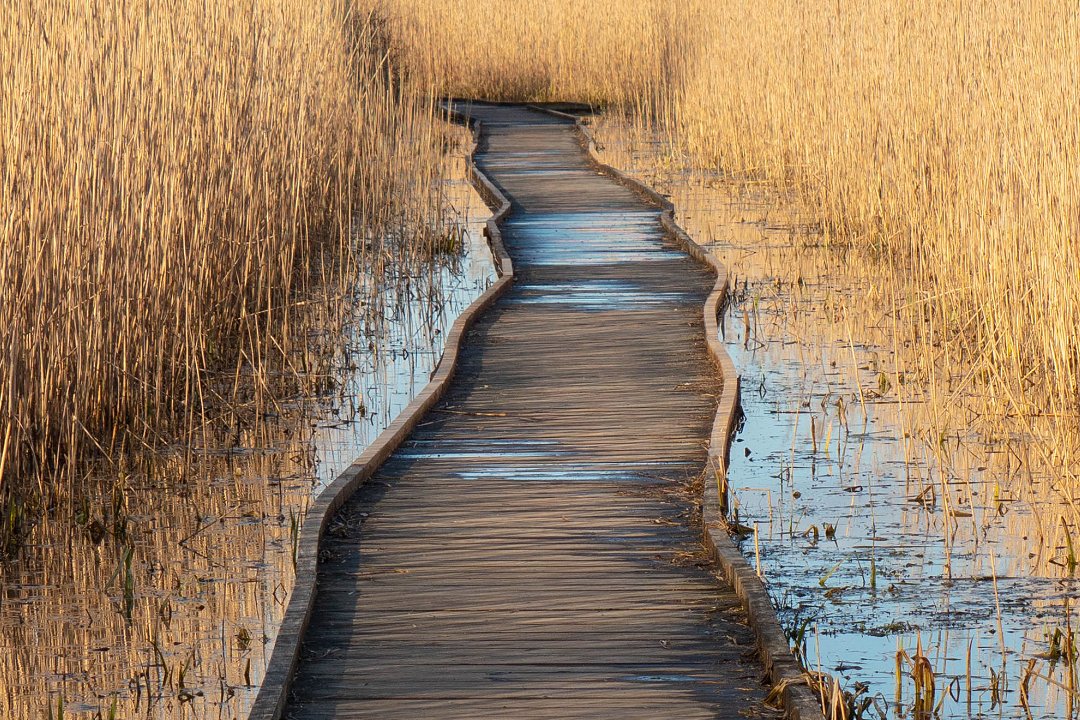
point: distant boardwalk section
(531, 552)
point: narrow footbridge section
(530, 551)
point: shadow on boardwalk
(530, 551)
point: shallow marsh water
(888, 505)
(163, 598)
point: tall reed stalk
(172, 174)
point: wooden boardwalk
(530, 552)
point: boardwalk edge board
(800, 702)
(271, 699)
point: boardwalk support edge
(799, 701)
(271, 699)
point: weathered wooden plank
(528, 552)
(610, 707)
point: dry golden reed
(943, 134)
(553, 50)
(170, 174)
(167, 170)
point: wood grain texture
(531, 550)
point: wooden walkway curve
(530, 551)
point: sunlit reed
(172, 174)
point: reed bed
(173, 177)
(943, 137)
(557, 50)
(160, 597)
